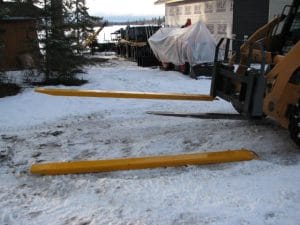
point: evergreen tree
(64, 24)
(79, 21)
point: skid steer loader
(261, 76)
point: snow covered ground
(40, 128)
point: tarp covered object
(193, 44)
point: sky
(130, 8)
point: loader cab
(295, 28)
(289, 34)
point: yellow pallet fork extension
(125, 94)
(77, 167)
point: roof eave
(159, 2)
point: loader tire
(294, 123)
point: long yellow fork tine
(96, 166)
(124, 94)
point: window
(188, 10)
(197, 9)
(296, 22)
(221, 6)
(171, 11)
(208, 7)
(178, 11)
(222, 28)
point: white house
(223, 17)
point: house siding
(225, 17)
(217, 15)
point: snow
(40, 128)
(106, 34)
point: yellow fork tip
(39, 89)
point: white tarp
(193, 44)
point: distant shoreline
(125, 19)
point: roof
(19, 10)
(158, 2)
(16, 18)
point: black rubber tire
(294, 123)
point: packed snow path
(40, 128)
